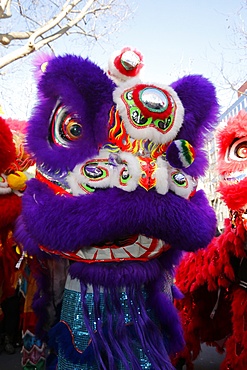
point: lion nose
(148, 168)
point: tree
(5, 11)
(27, 26)
(46, 21)
(238, 43)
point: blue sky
(176, 37)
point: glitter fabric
(72, 313)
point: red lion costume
(13, 161)
(214, 280)
(12, 183)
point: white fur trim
(161, 176)
(133, 169)
(150, 133)
(126, 160)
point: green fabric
(39, 366)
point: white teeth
(142, 248)
(102, 254)
(124, 254)
(236, 176)
(138, 251)
(87, 253)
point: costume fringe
(214, 307)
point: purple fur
(116, 336)
(201, 108)
(134, 276)
(87, 91)
(68, 223)
(96, 343)
(116, 275)
(199, 166)
(93, 219)
(201, 117)
(41, 299)
(122, 345)
(147, 332)
(24, 238)
(168, 318)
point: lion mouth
(235, 177)
(138, 247)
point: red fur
(229, 192)
(202, 275)
(236, 344)
(10, 205)
(121, 69)
(10, 208)
(236, 128)
(7, 149)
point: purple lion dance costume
(115, 194)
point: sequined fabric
(72, 313)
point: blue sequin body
(72, 314)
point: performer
(115, 194)
(214, 280)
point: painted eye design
(241, 152)
(163, 125)
(238, 150)
(182, 184)
(179, 179)
(124, 176)
(64, 127)
(149, 111)
(95, 171)
(154, 102)
(138, 118)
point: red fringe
(236, 344)
(200, 277)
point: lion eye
(64, 126)
(238, 150)
(179, 179)
(241, 151)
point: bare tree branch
(233, 85)
(5, 39)
(70, 15)
(5, 11)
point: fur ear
(201, 108)
(40, 63)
